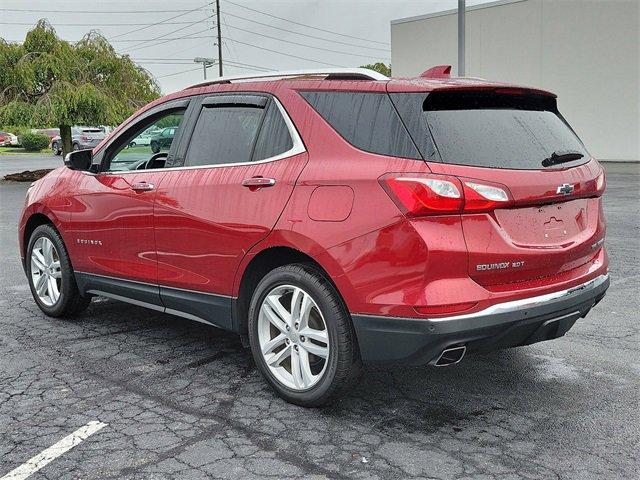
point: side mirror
(79, 160)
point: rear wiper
(561, 157)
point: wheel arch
(261, 261)
(37, 215)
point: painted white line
(54, 451)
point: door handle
(258, 182)
(142, 187)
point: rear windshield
(495, 130)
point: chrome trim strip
(297, 148)
(188, 316)
(527, 302)
(151, 306)
(157, 285)
(130, 300)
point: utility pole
(219, 37)
(206, 63)
(462, 9)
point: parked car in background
(163, 139)
(353, 218)
(49, 132)
(145, 137)
(7, 138)
(81, 138)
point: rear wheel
(76, 147)
(301, 336)
(155, 147)
(55, 148)
(50, 275)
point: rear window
(367, 121)
(495, 130)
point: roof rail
(330, 73)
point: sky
(165, 36)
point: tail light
(84, 138)
(418, 194)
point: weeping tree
(46, 81)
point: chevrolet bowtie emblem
(565, 189)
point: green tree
(46, 81)
(380, 68)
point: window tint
(224, 135)
(274, 137)
(499, 131)
(366, 120)
(145, 140)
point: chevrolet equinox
(332, 218)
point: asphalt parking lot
(183, 400)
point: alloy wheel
(46, 275)
(293, 337)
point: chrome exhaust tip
(451, 356)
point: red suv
(333, 218)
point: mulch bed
(27, 175)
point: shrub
(34, 142)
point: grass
(19, 151)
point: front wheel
(55, 148)
(301, 336)
(155, 147)
(50, 275)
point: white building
(587, 52)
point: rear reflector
(445, 309)
(426, 194)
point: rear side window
(274, 138)
(367, 121)
(487, 129)
(224, 135)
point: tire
(132, 144)
(155, 148)
(69, 302)
(335, 374)
(55, 149)
(76, 147)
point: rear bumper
(521, 322)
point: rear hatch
(531, 191)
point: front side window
(147, 145)
(224, 135)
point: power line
(304, 34)
(307, 45)
(163, 36)
(231, 64)
(56, 24)
(186, 37)
(163, 21)
(247, 65)
(305, 25)
(285, 54)
(178, 73)
(33, 10)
